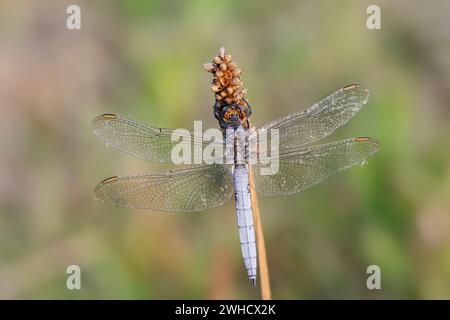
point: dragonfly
(302, 162)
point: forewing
(142, 140)
(302, 168)
(319, 120)
(190, 189)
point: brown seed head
(226, 82)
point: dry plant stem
(261, 246)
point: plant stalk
(260, 244)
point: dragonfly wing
(144, 141)
(192, 189)
(302, 168)
(319, 120)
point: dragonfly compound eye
(233, 115)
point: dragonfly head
(234, 115)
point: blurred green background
(143, 59)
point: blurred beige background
(143, 59)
